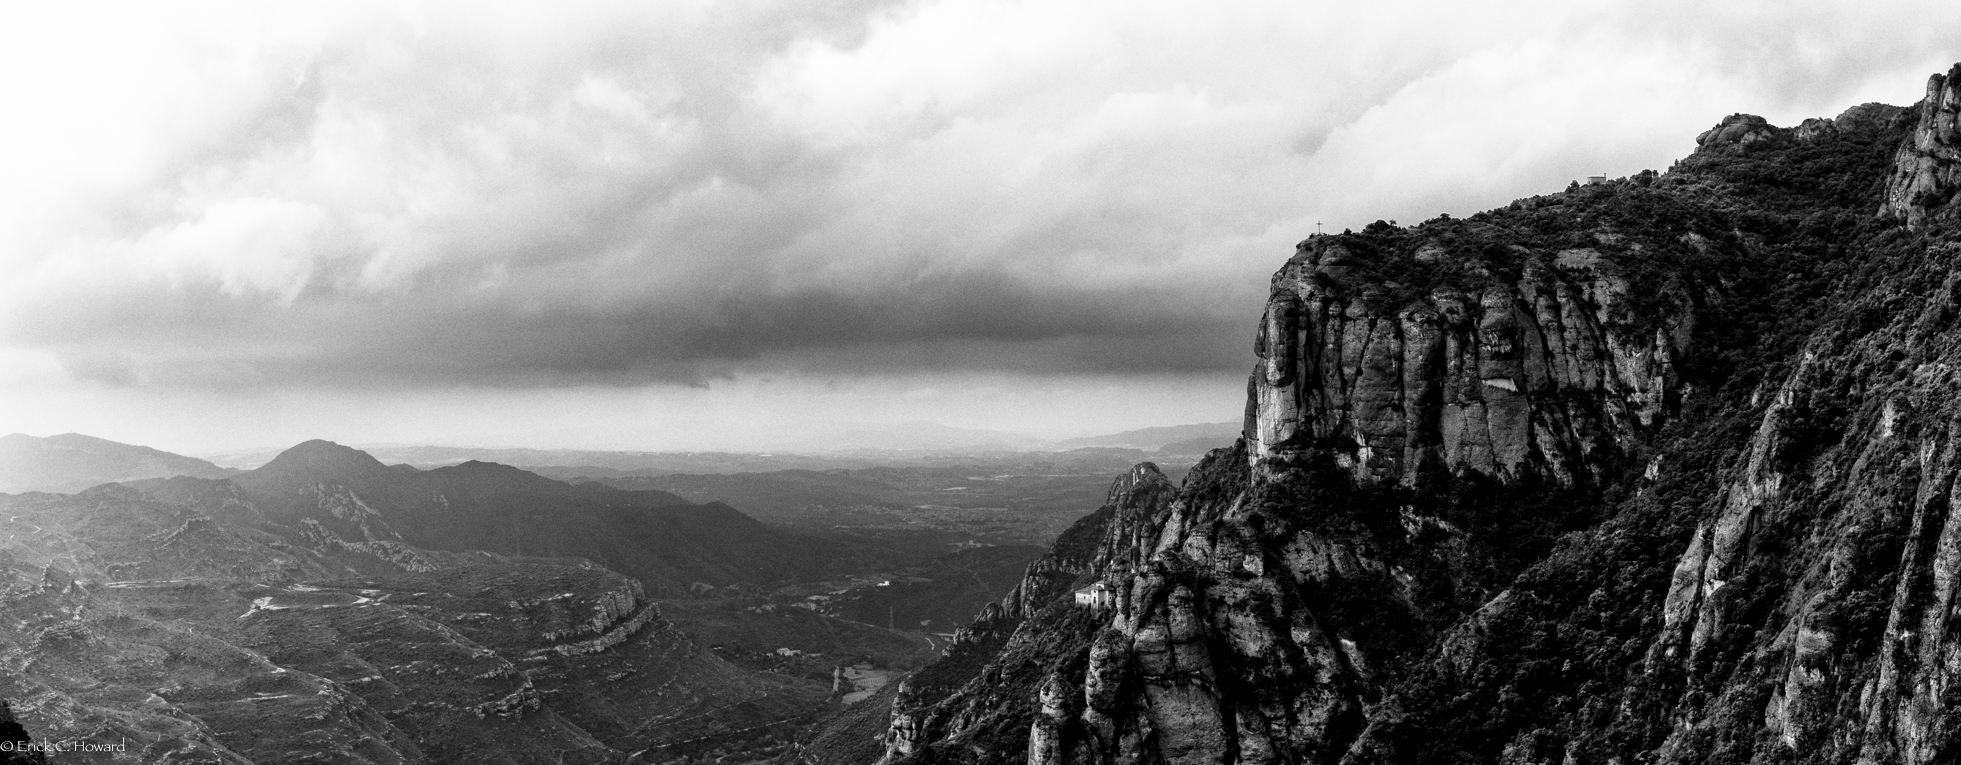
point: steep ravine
(1657, 470)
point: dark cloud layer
(684, 193)
(978, 322)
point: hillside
(668, 543)
(72, 462)
(1656, 470)
(328, 607)
(164, 625)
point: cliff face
(1658, 470)
(1533, 377)
(970, 687)
(1827, 574)
(1927, 168)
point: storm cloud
(539, 196)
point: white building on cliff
(1098, 596)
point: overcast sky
(679, 225)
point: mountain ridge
(1654, 470)
(329, 607)
(1157, 438)
(70, 462)
(185, 630)
(666, 541)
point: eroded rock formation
(1927, 168)
(1514, 378)
(1660, 470)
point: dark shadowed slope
(16, 747)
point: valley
(327, 606)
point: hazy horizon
(693, 226)
(933, 441)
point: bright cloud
(541, 201)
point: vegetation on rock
(1653, 470)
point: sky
(699, 225)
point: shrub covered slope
(1655, 470)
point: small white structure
(1098, 595)
(1595, 180)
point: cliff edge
(1657, 470)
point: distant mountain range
(849, 449)
(320, 487)
(395, 611)
(1200, 438)
(327, 607)
(670, 544)
(72, 462)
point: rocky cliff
(1927, 168)
(1037, 619)
(1534, 377)
(1658, 470)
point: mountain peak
(496, 474)
(319, 459)
(81, 439)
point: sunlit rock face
(1659, 470)
(1927, 168)
(1531, 377)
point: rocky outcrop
(1657, 470)
(621, 631)
(907, 733)
(609, 609)
(1137, 503)
(1213, 655)
(1736, 131)
(1706, 583)
(1030, 624)
(1105, 544)
(1532, 377)
(1927, 167)
(1045, 740)
(1856, 644)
